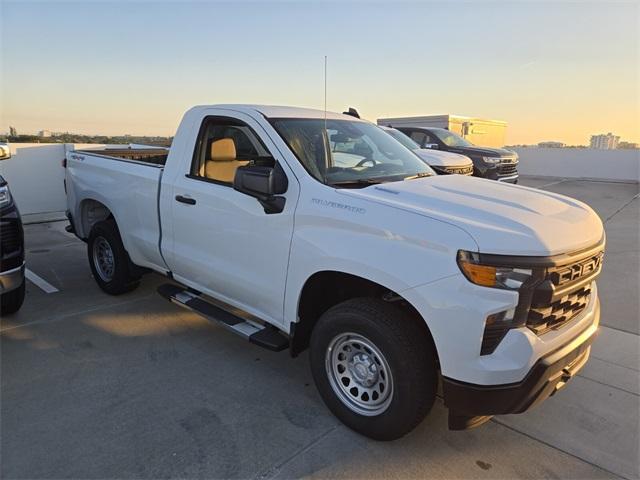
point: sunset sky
(553, 71)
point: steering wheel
(366, 160)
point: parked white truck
(443, 163)
(394, 278)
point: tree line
(14, 137)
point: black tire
(11, 302)
(124, 276)
(407, 350)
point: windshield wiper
(359, 182)
(419, 175)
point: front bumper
(507, 172)
(11, 239)
(467, 401)
(11, 279)
(455, 311)
(509, 179)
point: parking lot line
(556, 182)
(40, 282)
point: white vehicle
(444, 163)
(393, 277)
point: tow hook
(565, 376)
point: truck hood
(501, 218)
(437, 158)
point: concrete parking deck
(94, 386)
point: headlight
(492, 160)
(510, 278)
(5, 196)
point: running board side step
(264, 336)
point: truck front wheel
(109, 261)
(374, 366)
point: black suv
(493, 163)
(12, 286)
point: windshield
(349, 153)
(402, 138)
(450, 139)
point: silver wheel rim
(359, 374)
(103, 259)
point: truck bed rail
(153, 156)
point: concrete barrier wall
(580, 163)
(35, 176)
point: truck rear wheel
(374, 366)
(110, 264)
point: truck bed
(124, 182)
(153, 156)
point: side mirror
(264, 184)
(5, 151)
(432, 146)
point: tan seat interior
(222, 164)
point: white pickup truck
(394, 278)
(444, 163)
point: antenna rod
(325, 92)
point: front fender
(391, 247)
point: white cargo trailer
(479, 131)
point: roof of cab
(275, 111)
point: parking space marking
(557, 182)
(40, 282)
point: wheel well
(92, 212)
(323, 290)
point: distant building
(628, 146)
(44, 133)
(551, 145)
(604, 142)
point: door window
(421, 138)
(223, 145)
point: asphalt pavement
(94, 386)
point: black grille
(559, 290)
(564, 293)
(10, 240)
(541, 319)
(459, 170)
(563, 276)
(454, 170)
(507, 168)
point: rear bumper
(545, 378)
(11, 279)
